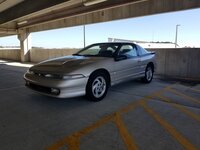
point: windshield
(102, 50)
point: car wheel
(97, 87)
(148, 74)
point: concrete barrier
(181, 62)
(10, 54)
(38, 55)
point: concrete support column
(25, 43)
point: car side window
(128, 50)
(142, 51)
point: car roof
(115, 43)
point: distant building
(146, 44)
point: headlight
(54, 76)
(49, 75)
(75, 76)
(30, 72)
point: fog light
(27, 83)
(55, 91)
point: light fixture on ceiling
(93, 2)
(22, 22)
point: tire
(148, 74)
(97, 86)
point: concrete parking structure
(135, 116)
(160, 115)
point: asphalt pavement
(162, 115)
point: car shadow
(55, 103)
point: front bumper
(60, 88)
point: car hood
(66, 64)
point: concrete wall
(38, 55)
(10, 54)
(183, 62)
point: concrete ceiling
(51, 14)
(29, 12)
(6, 4)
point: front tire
(97, 86)
(148, 74)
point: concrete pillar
(25, 43)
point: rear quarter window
(142, 51)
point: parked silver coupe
(91, 71)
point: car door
(128, 67)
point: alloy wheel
(99, 87)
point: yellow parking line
(189, 113)
(178, 136)
(74, 143)
(181, 108)
(196, 90)
(97, 124)
(183, 95)
(58, 144)
(126, 109)
(128, 140)
(71, 140)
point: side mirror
(120, 57)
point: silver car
(91, 71)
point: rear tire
(97, 86)
(148, 74)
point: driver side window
(128, 50)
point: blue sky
(159, 27)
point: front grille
(46, 75)
(43, 89)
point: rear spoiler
(152, 52)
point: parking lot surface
(133, 116)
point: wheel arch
(152, 65)
(102, 70)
